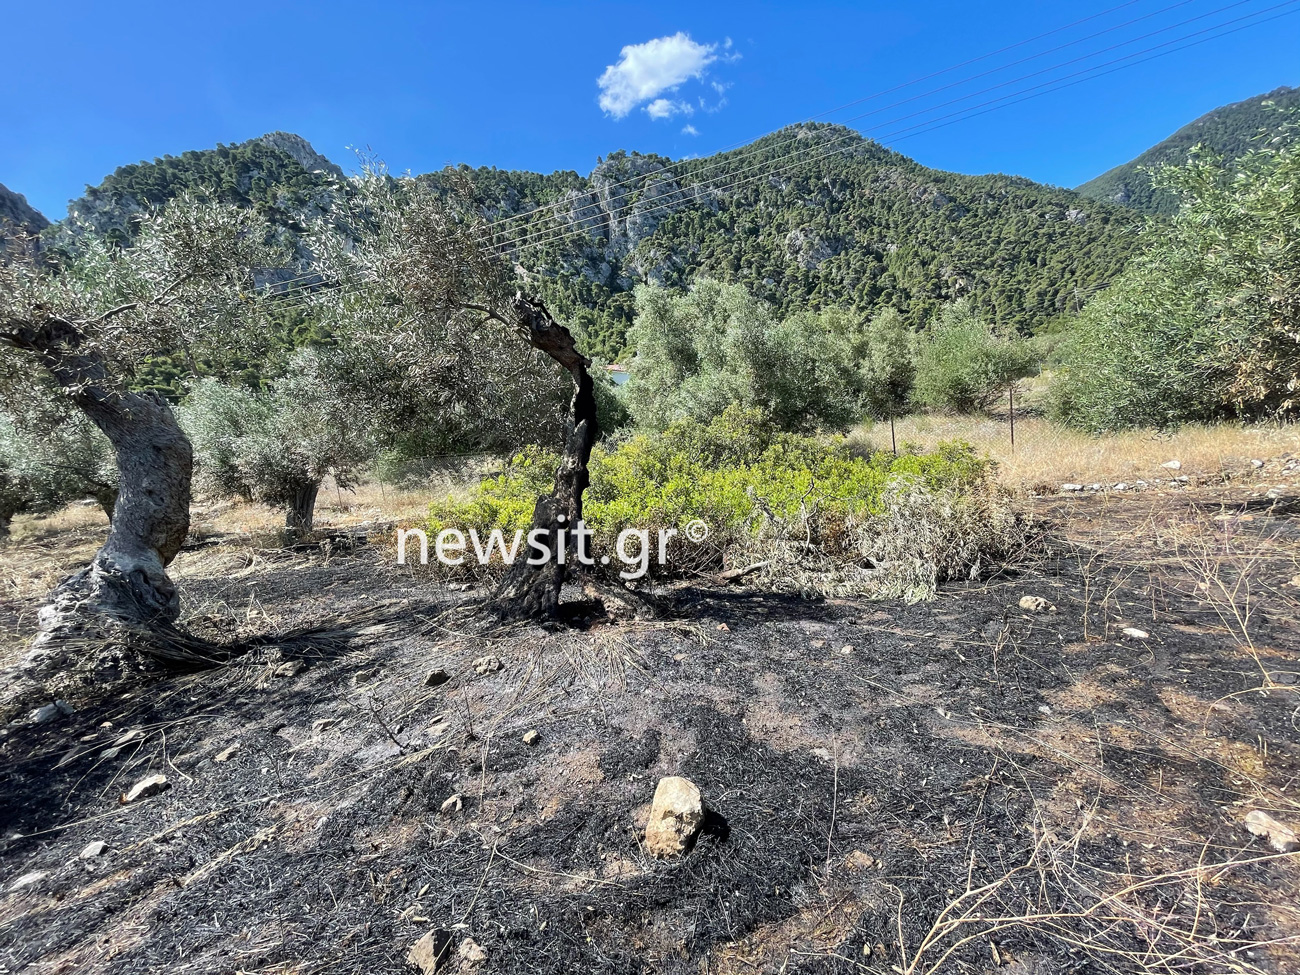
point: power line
(539, 237)
(555, 206)
(831, 148)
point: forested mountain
(809, 216)
(1229, 131)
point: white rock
(487, 665)
(1121, 486)
(1257, 464)
(1281, 838)
(675, 817)
(1071, 487)
(1035, 604)
(93, 849)
(27, 879)
(531, 736)
(1173, 465)
(1135, 633)
(226, 754)
(453, 804)
(471, 952)
(146, 787)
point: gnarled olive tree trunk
(533, 591)
(125, 590)
(300, 511)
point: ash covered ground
(964, 785)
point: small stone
(454, 804)
(1120, 486)
(1135, 633)
(1095, 487)
(1071, 487)
(27, 879)
(430, 952)
(823, 753)
(1183, 479)
(145, 788)
(1256, 463)
(1034, 604)
(1173, 465)
(291, 668)
(51, 712)
(846, 649)
(531, 737)
(1295, 581)
(487, 665)
(1282, 838)
(226, 754)
(675, 817)
(471, 952)
(93, 849)
(437, 678)
(857, 860)
(724, 627)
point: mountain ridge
(1229, 130)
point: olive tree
(887, 360)
(83, 325)
(50, 456)
(699, 352)
(276, 445)
(964, 364)
(430, 320)
(1205, 322)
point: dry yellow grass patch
(1047, 455)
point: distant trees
(714, 345)
(964, 365)
(887, 353)
(1205, 322)
(276, 445)
(50, 456)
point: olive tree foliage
(49, 456)
(964, 365)
(277, 444)
(885, 351)
(81, 324)
(428, 312)
(1205, 321)
(700, 351)
(426, 343)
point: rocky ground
(1058, 783)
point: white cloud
(644, 71)
(667, 108)
(690, 130)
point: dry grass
(1047, 455)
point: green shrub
(758, 489)
(1205, 322)
(963, 365)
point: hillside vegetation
(1230, 131)
(807, 217)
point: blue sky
(91, 86)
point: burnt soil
(865, 765)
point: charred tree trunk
(125, 591)
(533, 591)
(300, 515)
